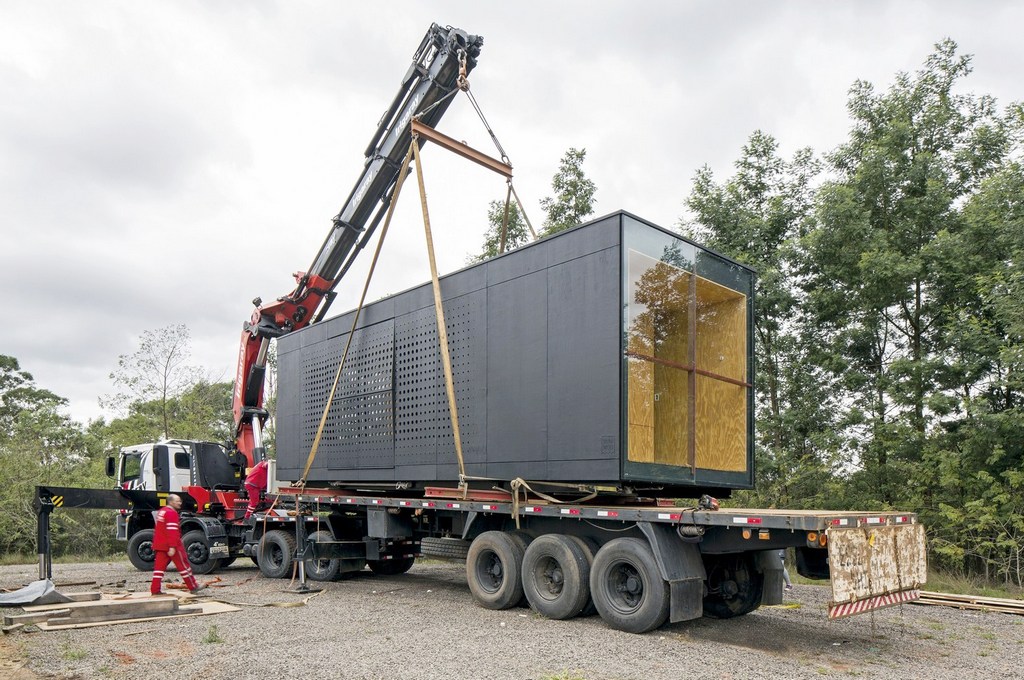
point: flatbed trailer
(638, 564)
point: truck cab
(206, 475)
(162, 466)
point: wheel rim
(490, 572)
(146, 551)
(275, 556)
(625, 587)
(550, 579)
(198, 553)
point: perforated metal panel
(359, 429)
(423, 432)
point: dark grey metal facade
(535, 338)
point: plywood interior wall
(722, 350)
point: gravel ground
(424, 625)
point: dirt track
(424, 625)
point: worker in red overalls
(168, 547)
(255, 483)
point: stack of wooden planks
(976, 602)
(89, 609)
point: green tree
(19, 393)
(154, 376)
(202, 412)
(915, 153)
(516, 233)
(757, 217)
(39, 444)
(573, 199)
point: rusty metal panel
(870, 565)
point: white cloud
(165, 163)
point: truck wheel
(734, 586)
(627, 587)
(322, 570)
(393, 567)
(556, 576)
(140, 550)
(276, 553)
(197, 548)
(493, 569)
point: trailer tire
(140, 550)
(627, 587)
(494, 570)
(322, 570)
(276, 553)
(197, 549)
(394, 567)
(445, 548)
(734, 586)
(590, 548)
(556, 576)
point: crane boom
(443, 58)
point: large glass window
(686, 356)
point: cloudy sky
(166, 162)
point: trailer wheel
(734, 586)
(276, 553)
(391, 567)
(493, 569)
(556, 576)
(322, 570)
(627, 587)
(197, 549)
(140, 550)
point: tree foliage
(42, 445)
(573, 199)
(889, 326)
(156, 376)
(516, 232)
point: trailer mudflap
(875, 566)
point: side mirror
(111, 470)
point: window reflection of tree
(661, 299)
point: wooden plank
(206, 608)
(131, 597)
(106, 617)
(83, 597)
(34, 617)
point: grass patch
(69, 653)
(16, 560)
(942, 582)
(212, 636)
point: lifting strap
(373, 264)
(442, 332)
